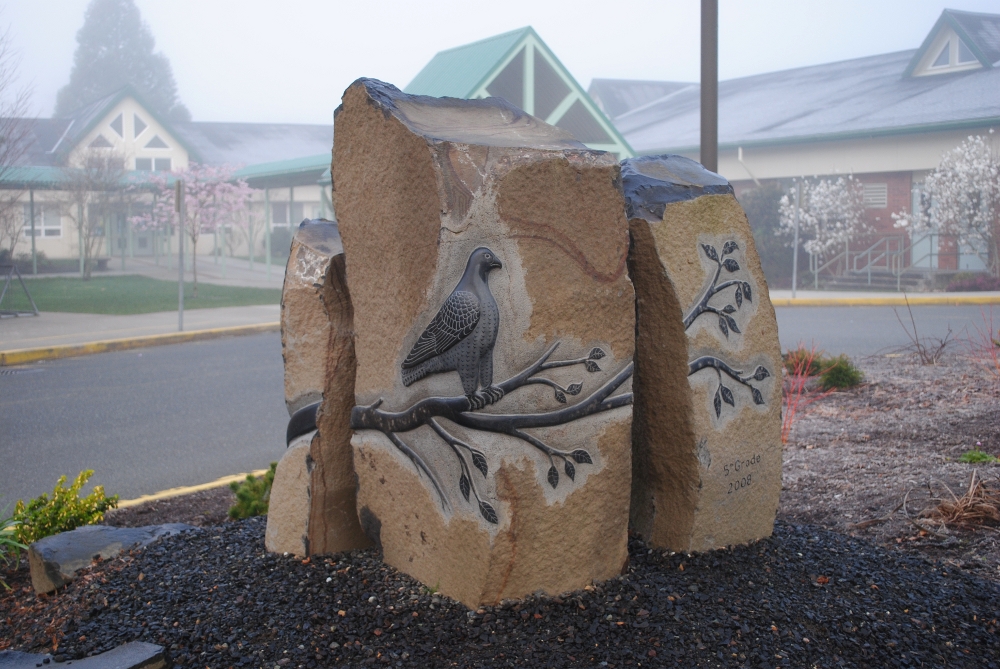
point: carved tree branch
(459, 410)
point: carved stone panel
(494, 319)
(707, 437)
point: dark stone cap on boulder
(320, 234)
(133, 655)
(489, 122)
(652, 182)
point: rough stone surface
(318, 347)
(707, 430)
(55, 560)
(288, 507)
(495, 497)
(305, 325)
(132, 655)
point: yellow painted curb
(883, 301)
(187, 490)
(24, 355)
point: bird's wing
(456, 320)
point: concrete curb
(187, 490)
(883, 301)
(24, 355)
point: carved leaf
(729, 309)
(729, 247)
(488, 513)
(596, 353)
(757, 397)
(574, 389)
(464, 486)
(582, 457)
(746, 292)
(718, 403)
(553, 476)
(561, 396)
(760, 374)
(711, 252)
(731, 265)
(479, 460)
(570, 470)
(591, 366)
(739, 295)
(723, 326)
(732, 324)
(727, 396)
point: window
(965, 54)
(943, 57)
(162, 164)
(100, 142)
(279, 213)
(116, 125)
(156, 143)
(48, 222)
(144, 164)
(876, 196)
(138, 125)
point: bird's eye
(488, 256)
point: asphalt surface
(143, 420)
(863, 331)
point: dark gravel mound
(803, 598)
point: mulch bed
(848, 578)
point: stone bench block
(707, 433)
(495, 326)
(132, 655)
(312, 505)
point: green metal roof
(459, 72)
(304, 171)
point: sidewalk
(823, 298)
(59, 329)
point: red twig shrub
(797, 394)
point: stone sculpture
(313, 508)
(706, 440)
(513, 475)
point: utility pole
(710, 84)
(179, 208)
(795, 243)
(31, 212)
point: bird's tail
(414, 374)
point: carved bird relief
(462, 335)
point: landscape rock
(318, 348)
(288, 506)
(55, 560)
(495, 327)
(132, 655)
(707, 431)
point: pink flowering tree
(213, 199)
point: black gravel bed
(805, 597)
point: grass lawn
(128, 295)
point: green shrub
(839, 372)
(252, 495)
(976, 456)
(10, 548)
(42, 516)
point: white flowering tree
(961, 198)
(213, 199)
(831, 213)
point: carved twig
(459, 410)
(743, 290)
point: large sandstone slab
(55, 560)
(494, 324)
(707, 432)
(312, 504)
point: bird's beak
(496, 262)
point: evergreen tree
(115, 48)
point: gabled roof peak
(959, 41)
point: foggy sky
(290, 61)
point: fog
(257, 61)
